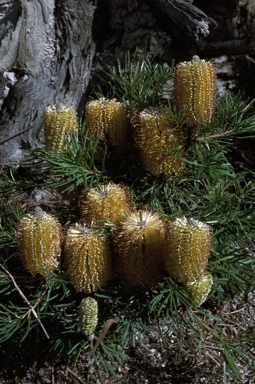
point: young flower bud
(200, 289)
(39, 239)
(88, 258)
(159, 144)
(195, 90)
(58, 120)
(107, 120)
(107, 202)
(187, 249)
(88, 313)
(139, 245)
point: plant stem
(26, 300)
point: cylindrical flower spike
(200, 289)
(39, 239)
(159, 144)
(195, 90)
(187, 249)
(107, 202)
(88, 258)
(58, 120)
(107, 120)
(139, 245)
(88, 316)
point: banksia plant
(88, 258)
(39, 240)
(58, 120)
(107, 120)
(188, 243)
(195, 90)
(159, 144)
(200, 289)
(107, 202)
(139, 243)
(88, 316)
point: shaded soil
(152, 361)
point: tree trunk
(46, 55)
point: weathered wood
(29, 47)
(9, 13)
(229, 47)
(185, 17)
(46, 58)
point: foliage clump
(203, 187)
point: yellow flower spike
(139, 247)
(159, 144)
(195, 90)
(39, 240)
(88, 258)
(200, 289)
(88, 316)
(187, 249)
(107, 202)
(107, 120)
(94, 115)
(58, 120)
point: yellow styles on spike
(200, 289)
(139, 245)
(58, 120)
(159, 144)
(88, 258)
(107, 120)
(39, 240)
(195, 90)
(187, 249)
(107, 202)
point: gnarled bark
(46, 56)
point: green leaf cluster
(139, 83)
(210, 189)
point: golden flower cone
(195, 90)
(158, 144)
(107, 202)
(39, 240)
(200, 289)
(58, 120)
(88, 316)
(187, 249)
(107, 120)
(88, 258)
(139, 244)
